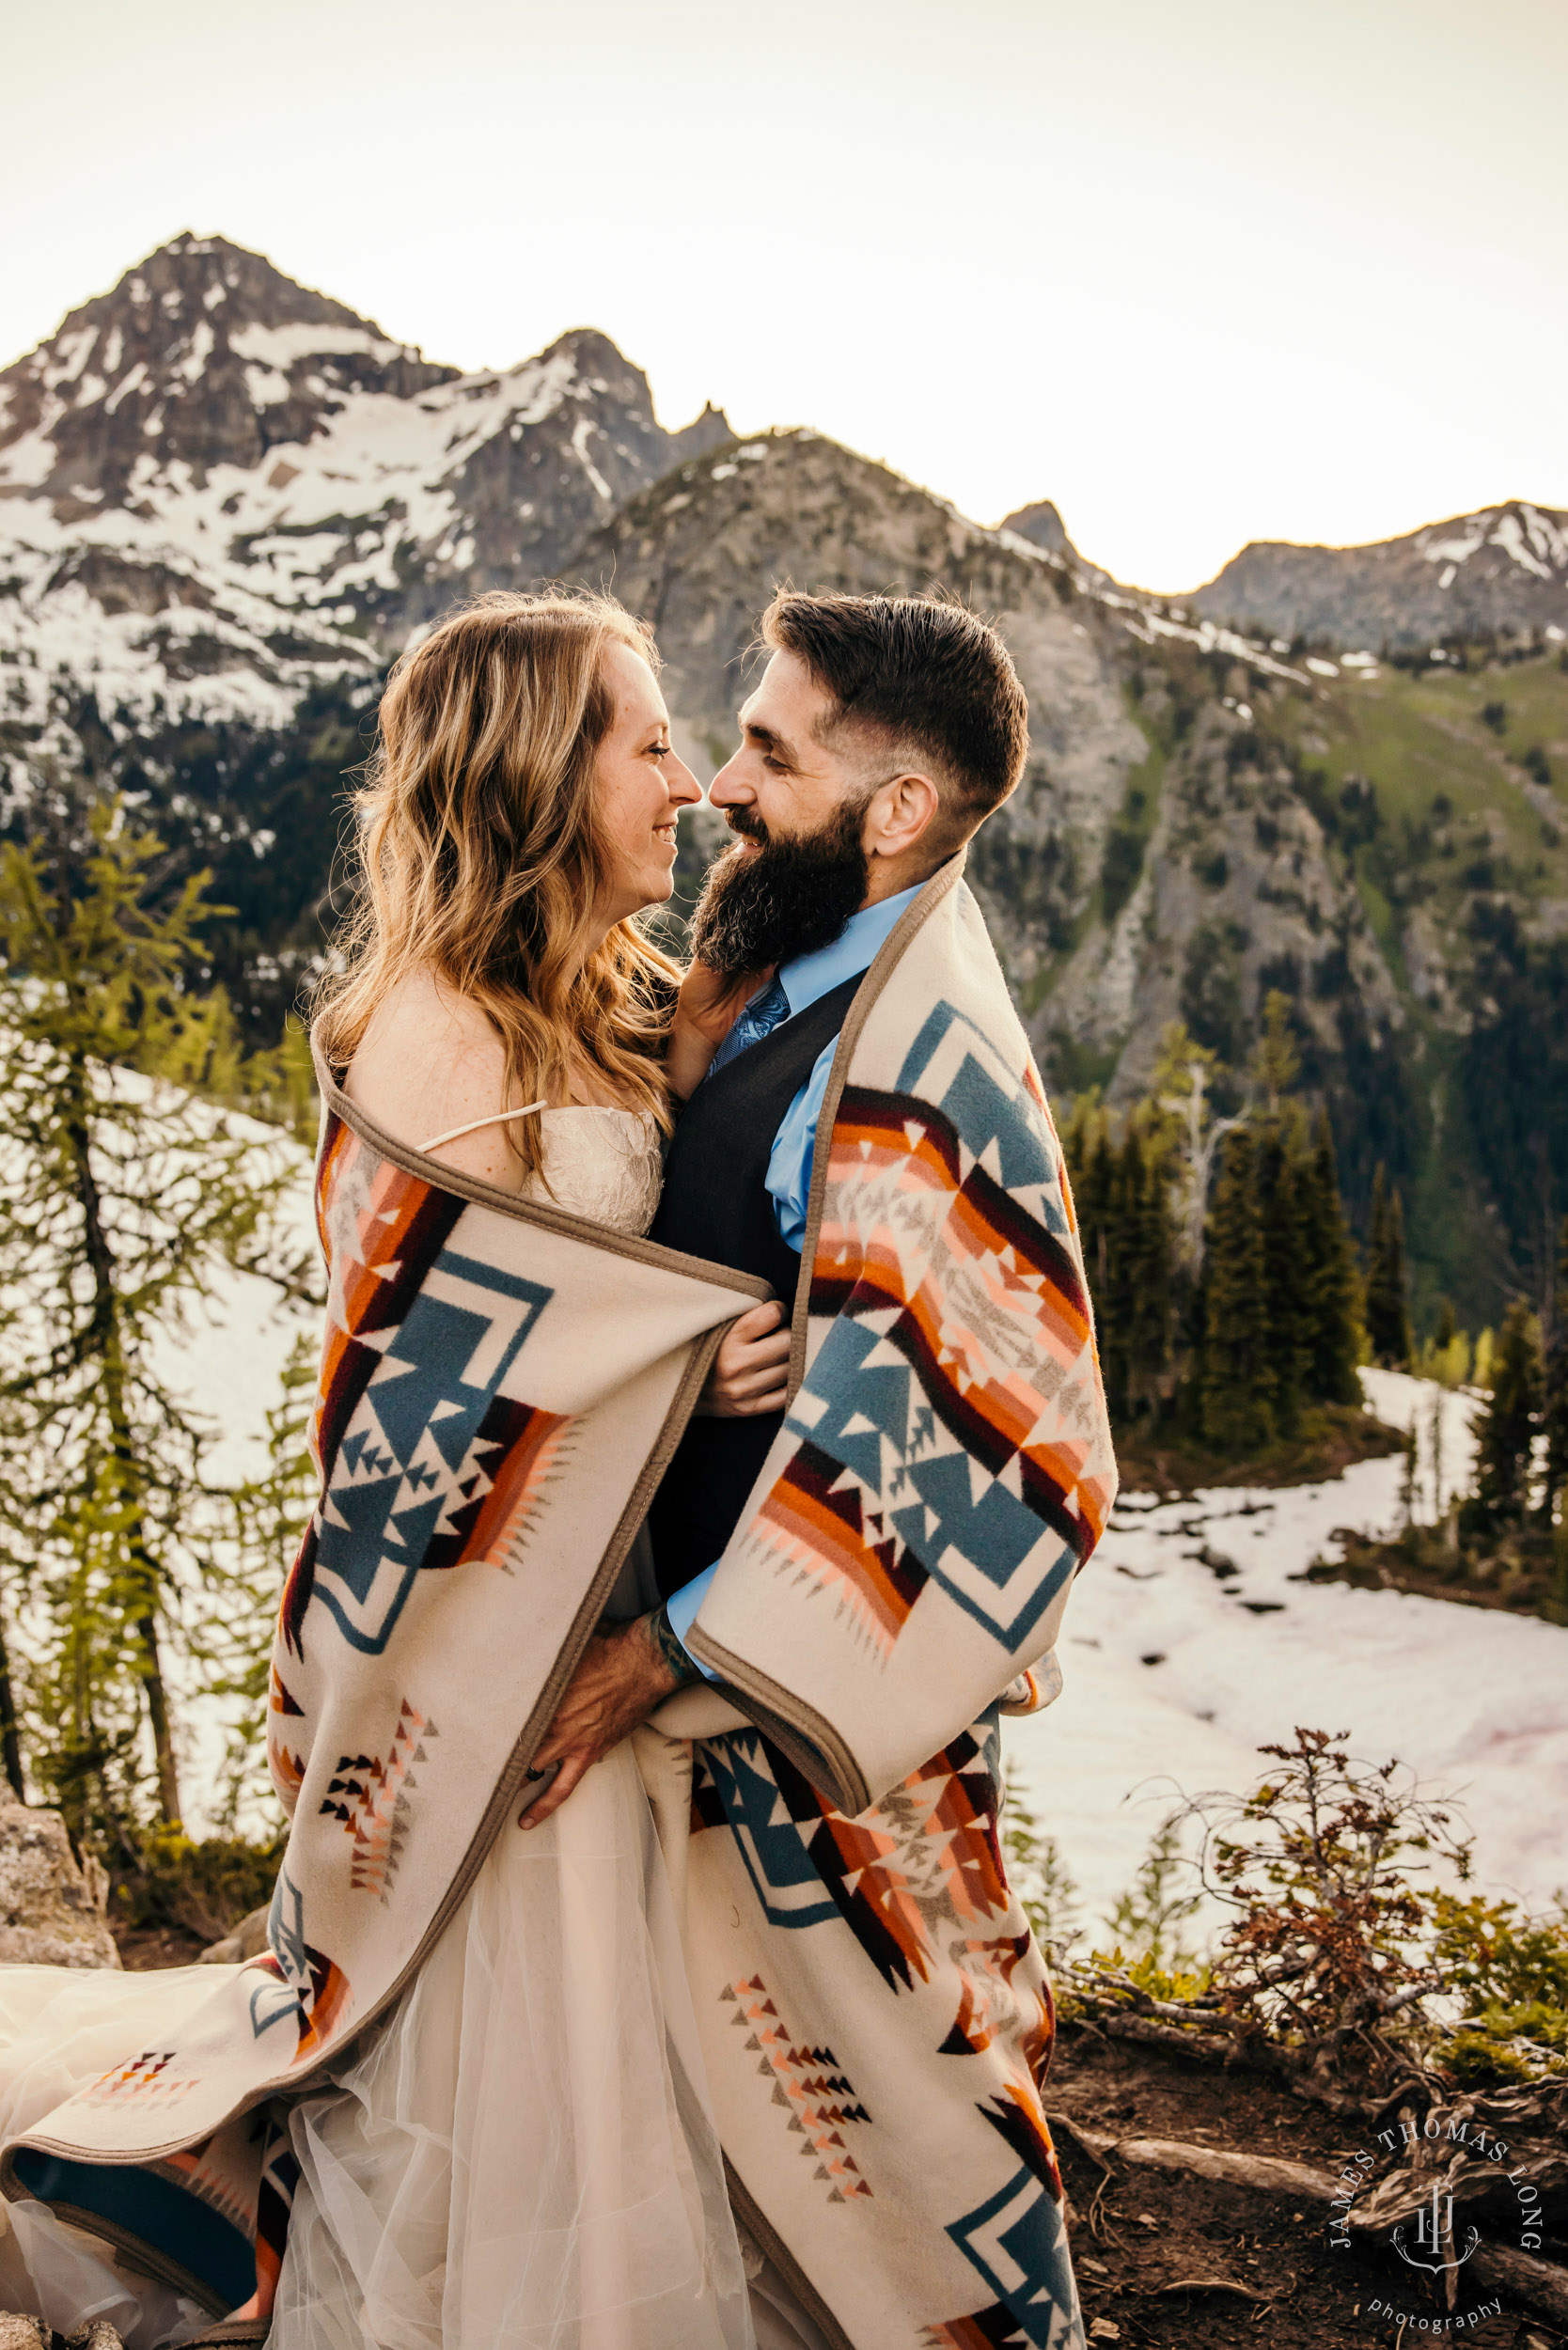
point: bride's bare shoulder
(430, 1060)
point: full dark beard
(788, 896)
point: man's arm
(624, 1676)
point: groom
(864, 1577)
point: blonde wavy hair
(481, 856)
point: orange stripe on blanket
(924, 1165)
(818, 1538)
(507, 1505)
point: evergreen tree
(1282, 1177)
(125, 1197)
(1387, 1311)
(1148, 1241)
(1237, 1385)
(1554, 1396)
(1276, 1064)
(1332, 1334)
(1505, 1430)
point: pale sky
(1201, 273)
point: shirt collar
(854, 949)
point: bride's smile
(642, 784)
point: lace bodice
(602, 1164)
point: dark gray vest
(716, 1205)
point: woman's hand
(706, 1010)
(751, 1370)
(622, 1678)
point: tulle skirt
(520, 2155)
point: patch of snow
(131, 380)
(1446, 576)
(70, 356)
(723, 472)
(1474, 1699)
(1322, 669)
(283, 347)
(266, 386)
(1509, 536)
(194, 363)
(28, 462)
(580, 432)
(1358, 661)
(1451, 550)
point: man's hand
(622, 1678)
(706, 1010)
(751, 1370)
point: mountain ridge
(1501, 570)
(197, 609)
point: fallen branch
(1221, 2284)
(1267, 2174)
(1540, 2285)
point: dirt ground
(142, 1948)
(1151, 2231)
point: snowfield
(1175, 1673)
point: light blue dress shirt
(788, 1175)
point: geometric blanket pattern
(945, 1467)
(876, 2014)
(501, 1387)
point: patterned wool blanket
(876, 2017)
(502, 1385)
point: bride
(519, 2154)
(504, 1012)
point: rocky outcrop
(51, 1912)
(1043, 526)
(31, 2333)
(1503, 569)
(249, 1940)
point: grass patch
(1331, 1437)
(1517, 1572)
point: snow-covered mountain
(1504, 569)
(227, 501)
(219, 487)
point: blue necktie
(760, 1018)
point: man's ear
(901, 811)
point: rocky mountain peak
(202, 355)
(1043, 524)
(1500, 571)
(1042, 527)
(215, 479)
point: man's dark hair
(925, 673)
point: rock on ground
(52, 1913)
(249, 1940)
(31, 2333)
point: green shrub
(1510, 1970)
(202, 1888)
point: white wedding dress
(520, 2155)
